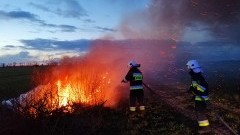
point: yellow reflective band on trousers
(142, 108)
(198, 98)
(203, 123)
(132, 109)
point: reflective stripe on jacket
(198, 86)
(201, 98)
(136, 87)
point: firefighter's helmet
(192, 64)
(133, 63)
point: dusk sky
(28, 26)
(41, 30)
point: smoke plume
(171, 19)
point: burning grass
(65, 85)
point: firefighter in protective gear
(199, 88)
(135, 77)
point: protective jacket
(135, 77)
(199, 86)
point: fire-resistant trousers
(136, 96)
(201, 110)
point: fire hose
(217, 115)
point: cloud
(19, 15)
(64, 8)
(72, 9)
(103, 29)
(40, 49)
(89, 21)
(48, 44)
(63, 28)
(8, 47)
(40, 7)
(20, 57)
(34, 18)
(67, 28)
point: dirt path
(180, 101)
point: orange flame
(82, 87)
(80, 83)
(90, 80)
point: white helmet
(192, 64)
(133, 63)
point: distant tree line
(28, 64)
(65, 60)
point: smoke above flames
(174, 19)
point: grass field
(14, 81)
(159, 117)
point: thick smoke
(153, 56)
(170, 19)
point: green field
(15, 81)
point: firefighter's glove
(192, 90)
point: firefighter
(135, 77)
(199, 88)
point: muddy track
(176, 99)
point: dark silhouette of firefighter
(199, 88)
(135, 77)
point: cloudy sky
(41, 30)
(32, 30)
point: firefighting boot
(132, 113)
(204, 130)
(141, 111)
(132, 109)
